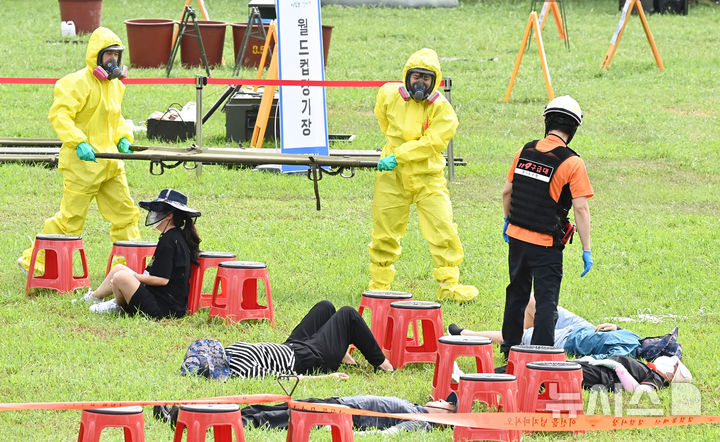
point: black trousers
(529, 265)
(323, 336)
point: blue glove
(505, 237)
(587, 259)
(387, 163)
(124, 145)
(85, 152)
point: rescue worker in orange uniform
(545, 181)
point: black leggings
(323, 336)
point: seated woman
(162, 291)
(572, 333)
(319, 343)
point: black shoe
(166, 413)
(453, 329)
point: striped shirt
(259, 360)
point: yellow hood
(424, 59)
(99, 40)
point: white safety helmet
(565, 105)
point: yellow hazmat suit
(417, 132)
(86, 109)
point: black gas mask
(418, 90)
(112, 68)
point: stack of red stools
(58, 273)
(404, 313)
(500, 389)
(449, 349)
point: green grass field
(650, 141)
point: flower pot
(326, 35)
(213, 37)
(149, 41)
(84, 13)
(255, 46)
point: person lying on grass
(623, 372)
(278, 416)
(573, 333)
(633, 374)
(319, 343)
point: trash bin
(84, 13)
(149, 41)
(255, 46)
(213, 37)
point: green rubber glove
(124, 145)
(387, 163)
(85, 152)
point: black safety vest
(531, 206)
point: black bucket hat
(169, 200)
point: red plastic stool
(378, 302)
(131, 419)
(563, 384)
(402, 314)
(452, 347)
(207, 260)
(301, 422)
(236, 282)
(481, 386)
(223, 418)
(521, 355)
(134, 252)
(58, 264)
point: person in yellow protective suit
(418, 122)
(86, 117)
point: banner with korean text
(303, 117)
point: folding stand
(551, 7)
(188, 14)
(269, 91)
(254, 20)
(615, 40)
(532, 25)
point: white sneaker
(88, 298)
(106, 307)
(457, 372)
